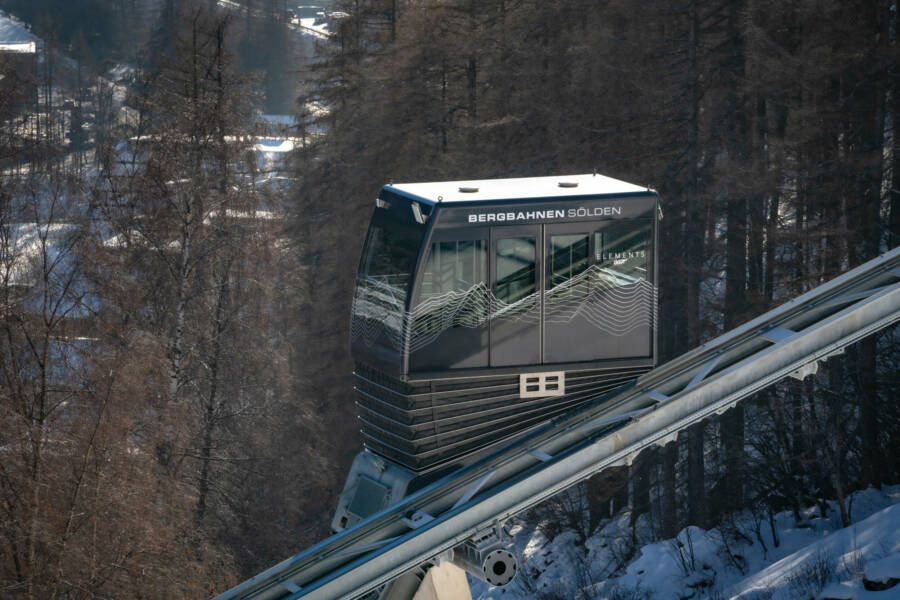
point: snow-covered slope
(841, 561)
(737, 561)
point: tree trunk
(694, 228)
(212, 403)
(669, 492)
(697, 509)
(736, 241)
(640, 484)
(605, 494)
(733, 440)
(176, 342)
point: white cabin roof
(517, 189)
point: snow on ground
(885, 569)
(845, 553)
(27, 245)
(317, 30)
(815, 559)
(121, 77)
(272, 156)
(230, 4)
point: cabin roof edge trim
(521, 188)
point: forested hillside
(769, 129)
(176, 410)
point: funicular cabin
(484, 307)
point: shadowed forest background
(176, 407)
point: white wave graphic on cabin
(614, 303)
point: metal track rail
(554, 455)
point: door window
(516, 273)
(569, 256)
(516, 310)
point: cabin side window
(450, 317)
(622, 289)
(454, 266)
(621, 254)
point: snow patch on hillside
(842, 555)
(816, 558)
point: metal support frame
(707, 368)
(540, 454)
(777, 334)
(562, 452)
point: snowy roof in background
(277, 145)
(518, 189)
(15, 37)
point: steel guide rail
(559, 453)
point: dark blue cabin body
(480, 313)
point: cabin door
(599, 299)
(516, 299)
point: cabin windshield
(382, 283)
(389, 259)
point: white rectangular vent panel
(541, 385)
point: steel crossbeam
(610, 431)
